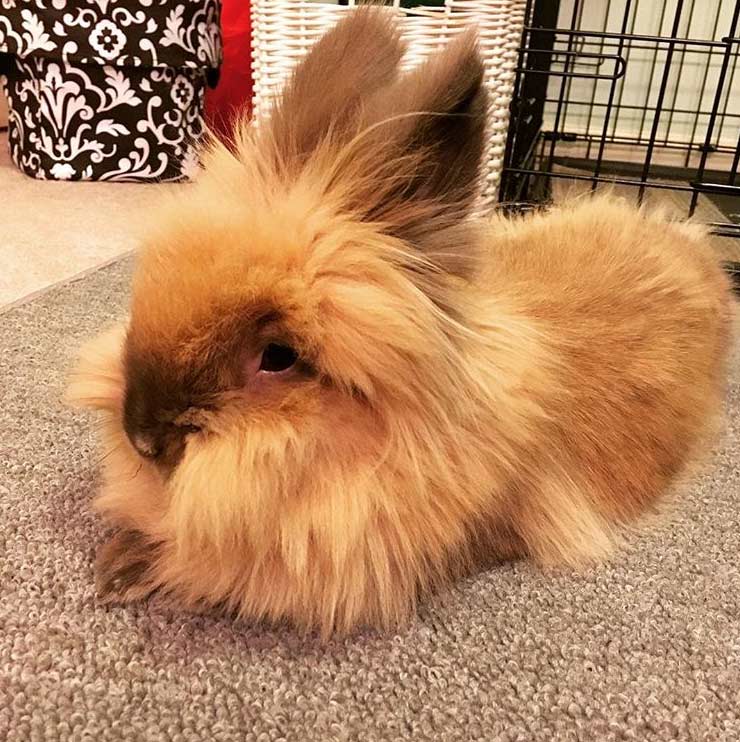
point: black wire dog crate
(640, 94)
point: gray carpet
(646, 649)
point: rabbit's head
(291, 370)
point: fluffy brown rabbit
(337, 390)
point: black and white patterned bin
(107, 89)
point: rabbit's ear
(426, 133)
(350, 62)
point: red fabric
(234, 90)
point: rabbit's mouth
(163, 445)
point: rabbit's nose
(147, 445)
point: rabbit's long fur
(463, 389)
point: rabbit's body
(336, 390)
(627, 321)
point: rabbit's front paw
(124, 567)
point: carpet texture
(645, 649)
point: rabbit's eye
(277, 358)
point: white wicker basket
(284, 30)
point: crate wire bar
(630, 92)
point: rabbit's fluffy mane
(321, 234)
(460, 377)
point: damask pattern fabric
(107, 89)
